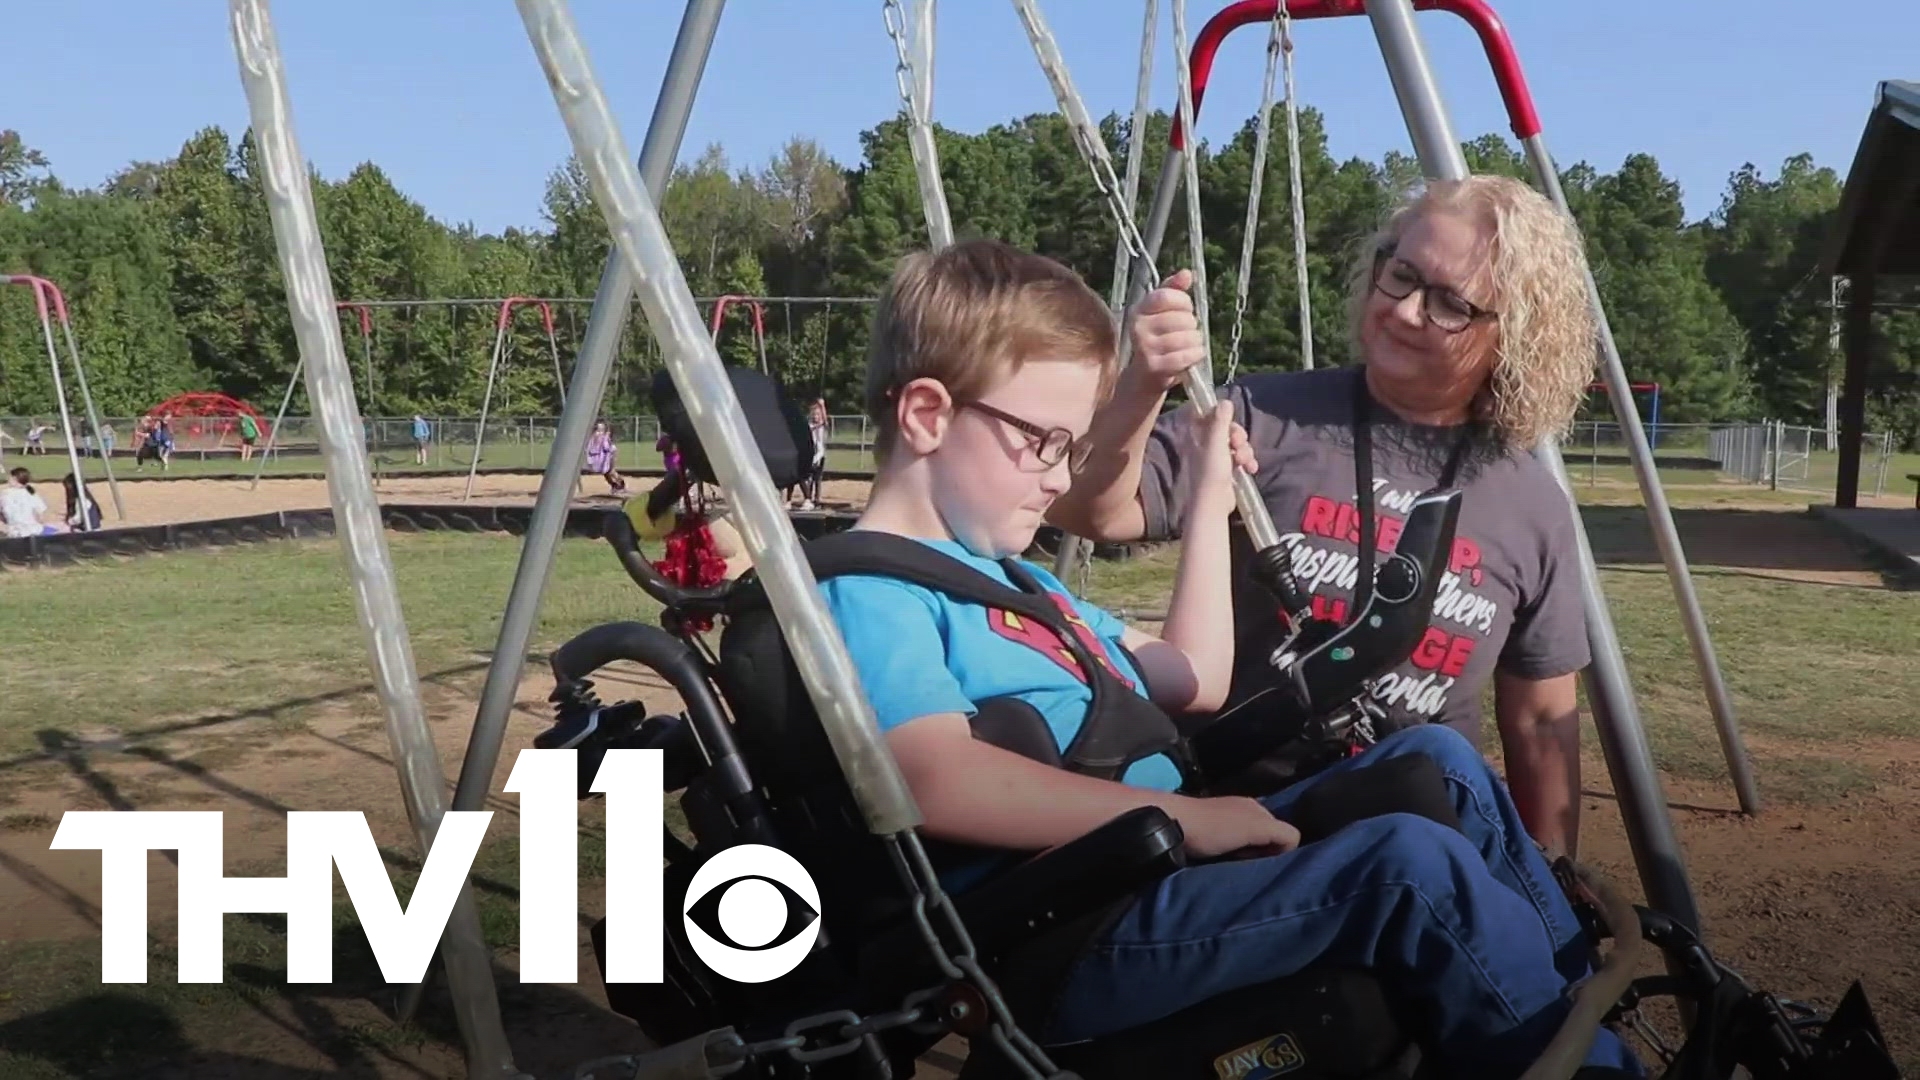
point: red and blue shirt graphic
(920, 653)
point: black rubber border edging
(68, 549)
(112, 545)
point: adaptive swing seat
(889, 977)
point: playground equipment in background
(286, 399)
(50, 304)
(759, 323)
(205, 420)
(1652, 389)
(501, 323)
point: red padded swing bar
(1485, 22)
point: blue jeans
(1471, 927)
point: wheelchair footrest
(1330, 1024)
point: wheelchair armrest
(1080, 876)
(1052, 889)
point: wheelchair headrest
(778, 426)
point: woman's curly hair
(1546, 337)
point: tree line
(171, 274)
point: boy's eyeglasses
(1446, 309)
(1051, 445)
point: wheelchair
(899, 964)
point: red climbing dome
(206, 420)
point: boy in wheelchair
(985, 369)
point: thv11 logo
(751, 912)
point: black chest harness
(1121, 725)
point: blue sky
(446, 96)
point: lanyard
(1363, 479)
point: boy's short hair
(970, 315)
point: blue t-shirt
(919, 652)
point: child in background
(818, 426)
(21, 507)
(89, 521)
(601, 452)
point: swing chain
(1086, 136)
(826, 1036)
(1279, 55)
(960, 964)
(1190, 170)
(903, 73)
(1302, 281)
(1136, 141)
(1277, 40)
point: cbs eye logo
(752, 913)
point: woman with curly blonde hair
(1474, 341)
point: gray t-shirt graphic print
(1510, 598)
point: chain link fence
(1793, 458)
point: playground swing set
(1652, 392)
(777, 744)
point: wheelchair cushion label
(1275, 1055)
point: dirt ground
(339, 760)
(1801, 900)
(163, 502)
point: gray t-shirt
(1511, 595)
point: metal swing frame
(759, 315)
(365, 314)
(642, 260)
(503, 322)
(50, 305)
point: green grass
(192, 633)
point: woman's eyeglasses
(1050, 445)
(1446, 309)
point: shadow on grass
(275, 710)
(1727, 538)
(345, 1028)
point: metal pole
(1643, 806)
(1166, 191)
(926, 155)
(1776, 434)
(356, 514)
(86, 396)
(641, 240)
(1659, 515)
(486, 400)
(60, 395)
(923, 20)
(366, 352)
(278, 419)
(553, 347)
(568, 455)
(366, 365)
